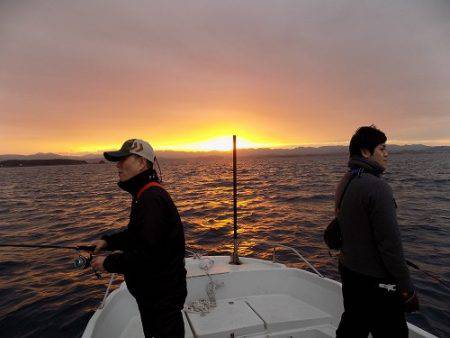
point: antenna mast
(234, 257)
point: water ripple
(289, 201)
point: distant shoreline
(35, 163)
(242, 153)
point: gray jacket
(368, 221)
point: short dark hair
(366, 137)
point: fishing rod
(81, 262)
(429, 274)
(415, 266)
(89, 248)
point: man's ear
(365, 153)
(143, 162)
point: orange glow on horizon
(221, 143)
(213, 137)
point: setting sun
(219, 143)
(223, 143)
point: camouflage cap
(133, 146)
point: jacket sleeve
(150, 220)
(117, 241)
(383, 218)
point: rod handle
(89, 248)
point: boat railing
(208, 263)
(276, 245)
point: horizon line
(286, 147)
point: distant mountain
(37, 156)
(91, 158)
(259, 152)
(34, 163)
(329, 150)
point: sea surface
(288, 200)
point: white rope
(204, 305)
(102, 304)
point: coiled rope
(204, 306)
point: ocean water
(288, 200)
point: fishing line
(429, 274)
(159, 169)
(415, 266)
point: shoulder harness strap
(352, 176)
(147, 186)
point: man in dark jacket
(152, 246)
(376, 284)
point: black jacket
(152, 246)
(371, 238)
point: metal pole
(235, 257)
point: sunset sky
(85, 75)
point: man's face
(380, 155)
(130, 166)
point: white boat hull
(258, 299)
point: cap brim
(115, 156)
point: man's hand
(99, 245)
(97, 263)
(410, 301)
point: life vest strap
(147, 186)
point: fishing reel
(83, 262)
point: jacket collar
(369, 166)
(134, 184)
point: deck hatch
(283, 312)
(230, 316)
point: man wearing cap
(150, 251)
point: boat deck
(261, 316)
(262, 313)
(256, 316)
(256, 299)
